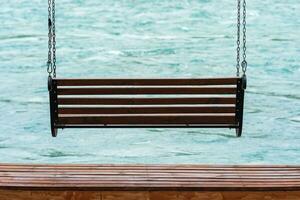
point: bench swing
(166, 103)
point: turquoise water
(150, 38)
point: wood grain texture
(137, 195)
(150, 177)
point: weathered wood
(162, 178)
(138, 195)
(146, 82)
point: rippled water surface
(150, 38)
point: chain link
(238, 66)
(244, 62)
(53, 38)
(49, 62)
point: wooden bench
(143, 103)
(143, 182)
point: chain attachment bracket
(244, 81)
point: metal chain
(244, 62)
(238, 66)
(54, 39)
(49, 62)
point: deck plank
(150, 177)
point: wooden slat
(137, 91)
(189, 167)
(150, 177)
(160, 167)
(147, 119)
(146, 110)
(139, 126)
(145, 101)
(153, 173)
(158, 177)
(146, 82)
(140, 181)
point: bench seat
(144, 103)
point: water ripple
(150, 38)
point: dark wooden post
(241, 86)
(52, 87)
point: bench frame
(54, 108)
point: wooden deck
(147, 182)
